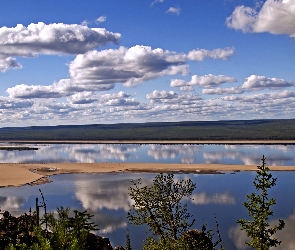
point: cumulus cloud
(174, 10)
(261, 97)
(129, 66)
(85, 97)
(55, 38)
(206, 81)
(242, 18)
(159, 96)
(9, 103)
(34, 91)
(223, 91)
(210, 80)
(255, 82)
(275, 17)
(101, 70)
(9, 63)
(201, 54)
(171, 97)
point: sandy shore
(34, 174)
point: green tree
(69, 232)
(128, 243)
(159, 206)
(259, 208)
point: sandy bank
(32, 174)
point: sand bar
(33, 174)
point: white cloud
(207, 81)
(275, 17)
(55, 38)
(101, 19)
(255, 82)
(85, 97)
(128, 66)
(101, 70)
(261, 97)
(174, 10)
(113, 96)
(34, 91)
(210, 80)
(159, 96)
(9, 103)
(223, 91)
(242, 18)
(172, 98)
(9, 63)
(201, 54)
(186, 88)
(157, 1)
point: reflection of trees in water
(286, 235)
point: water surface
(106, 196)
(280, 155)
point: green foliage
(259, 208)
(17, 230)
(67, 232)
(160, 208)
(128, 243)
(190, 240)
(62, 232)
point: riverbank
(35, 174)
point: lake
(106, 195)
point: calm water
(89, 153)
(106, 195)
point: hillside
(193, 130)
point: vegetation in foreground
(259, 205)
(159, 206)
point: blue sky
(111, 61)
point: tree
(159, 206)
(259, 208)
(128, 244)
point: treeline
(277, 129)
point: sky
(119, 61)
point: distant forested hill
(192, 130)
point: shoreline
(230, 142)
(20, 174)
